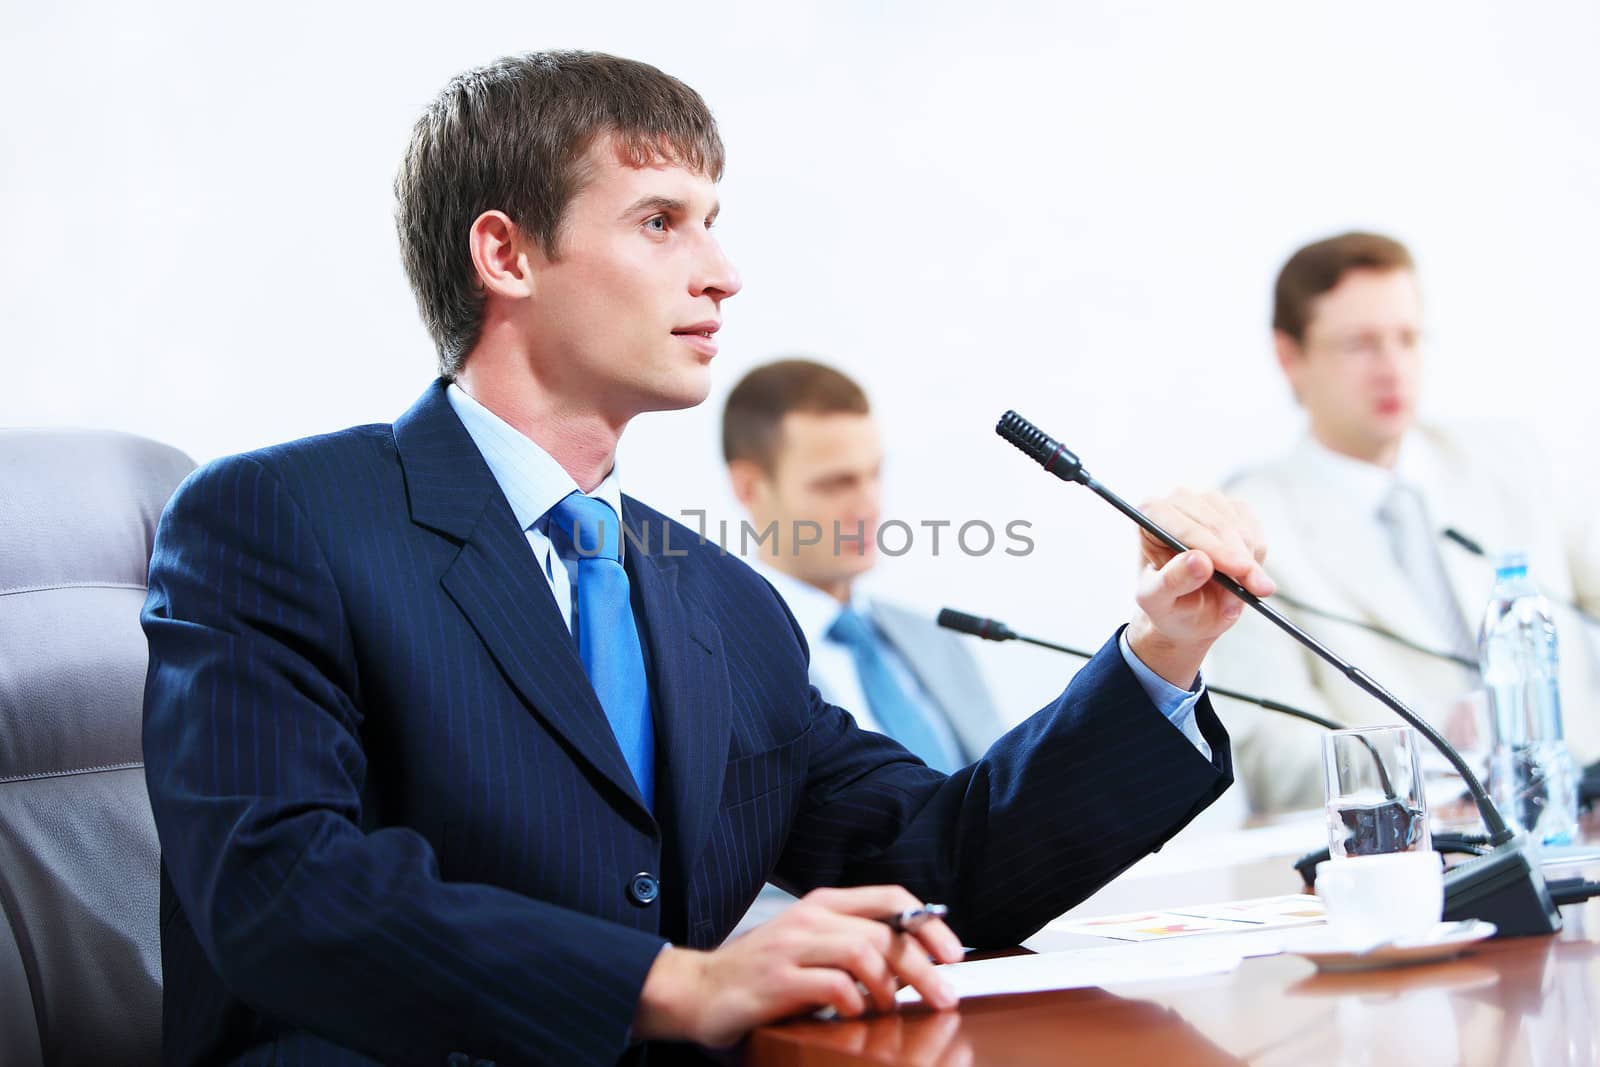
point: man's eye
(657, 223)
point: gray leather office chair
(80, 964)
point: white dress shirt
(1364, 485)
(533, 483)
(833, 669)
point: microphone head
(1453, 534)
(1041, 447)
(988, 629)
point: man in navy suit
(447, 770)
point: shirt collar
(1368, 483)
(532, 481)
(813, 609)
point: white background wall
(1072, 209)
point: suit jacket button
(643, 888)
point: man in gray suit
(805, 459)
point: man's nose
(717, 277)
(1392, 355)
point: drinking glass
(1375, 802)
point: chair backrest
(80, 971)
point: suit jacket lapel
(495, 581)
(692, 698)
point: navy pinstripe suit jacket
(395, 824)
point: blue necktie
(901, 717)
(608, 638)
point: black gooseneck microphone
(1503, 887)
(1450, 533)
(995, 630)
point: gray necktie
(1415, 543)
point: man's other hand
(1181, 611)
(827, 950)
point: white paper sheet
(1120, 964)
(1255, 942)
(1201, 920)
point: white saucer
(1330, 953)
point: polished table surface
(1517, 1001)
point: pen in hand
(905, 922)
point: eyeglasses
(1367, 345)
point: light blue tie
(608, 638)
(902, 717)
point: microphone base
(1504, 887)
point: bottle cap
(1511, 565)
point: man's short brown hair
(1320, 266)
(752, 418)
(514, 136)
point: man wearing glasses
(1357, 512)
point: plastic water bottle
(1532, 777)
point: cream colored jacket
(1327, 548)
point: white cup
(1390, 897)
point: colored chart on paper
(1238, 916)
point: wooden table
(1522, 1001)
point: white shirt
(833, 667)
(533, 483)
(1367, 485)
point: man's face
(624, 315)
(826, 470)
(1358, 369)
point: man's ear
(748, 480)
(1288, 350)
(502, 256)
(1291, 358)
